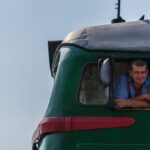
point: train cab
(82, 113)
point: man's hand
(121, 103)
(147, 97)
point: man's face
(138, 74)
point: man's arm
(144, 97)
(121, 95)
(147, 97)
(132, 103)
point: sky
(25, 80)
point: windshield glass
(91, 91)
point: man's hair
(139, 63)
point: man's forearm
(138, 104)
(131, 103)
(145, 97)
(139, 98)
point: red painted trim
(62, 124)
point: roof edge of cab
(120, 36)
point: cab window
(131, 82)
(91, 91)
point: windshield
(91, 91)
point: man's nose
(140, 75)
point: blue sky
(25, 79)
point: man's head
(138, 71)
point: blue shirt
(124, 88)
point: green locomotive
(81, 114)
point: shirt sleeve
(146, 87)
(121, 88)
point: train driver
(133, 90)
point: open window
(124, 83)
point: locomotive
(81, 114)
